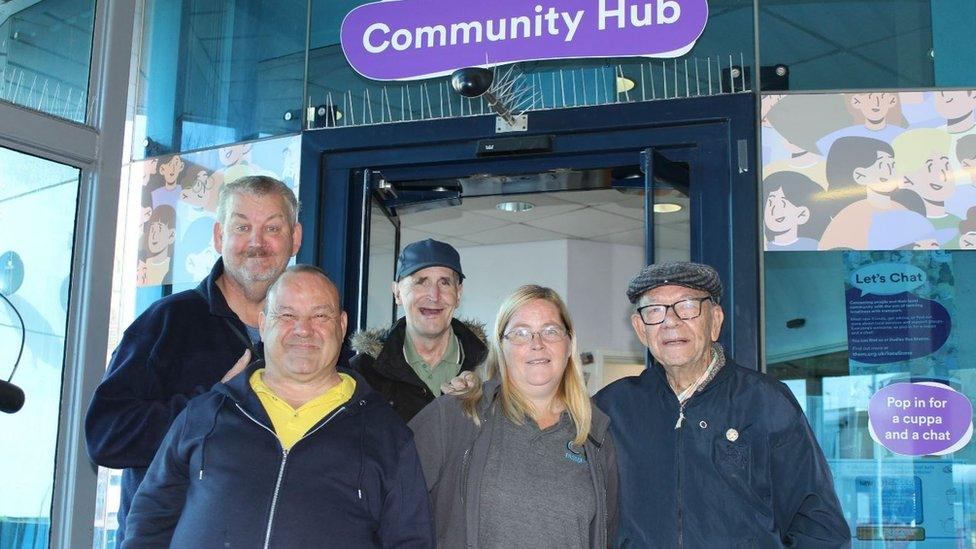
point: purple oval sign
(920, 419)
(410, 39)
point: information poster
(900, 306)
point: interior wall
(596, 294)
(821, 276)
(493, 272)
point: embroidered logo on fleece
(575, 455)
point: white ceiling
(603, 215)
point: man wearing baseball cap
(427, 347)
(710, 453)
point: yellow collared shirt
(290, 424)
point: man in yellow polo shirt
(292, 452)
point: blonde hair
(572, 388)
(913, 147)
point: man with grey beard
(182, 344)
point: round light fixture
(624, 84)
(667, 207)
(515, 207)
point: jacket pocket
(734, 462)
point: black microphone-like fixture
(11, 397)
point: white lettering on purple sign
(406, 39)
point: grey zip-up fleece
(453, 452)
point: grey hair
(296, 269)
(258, 185)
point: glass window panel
(187, 185)
(343, 97)
(672, 225)
(382, 269)
(45, 55)
(214, 72)
(585, 244)
(857, 44)
(35, 268)
(834, 371)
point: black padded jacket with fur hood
(379, 359)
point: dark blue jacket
(222, 479)
(177, 349)
(765, 484)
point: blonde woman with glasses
(524, 460)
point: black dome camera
(471, 81)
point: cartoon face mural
(234, 154)
(955, 105)
(907, 152)
(923, 162)
(160, 230)
(171, 169)
(201, 190)
(872, 109)
(791, 216)
(879, 176)
(782, 215)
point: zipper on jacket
(681, 415)
(284, 460)
(597, 470)
(678, 464)
(274, 499)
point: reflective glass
(876, 347)
(35, 269)
(857, 44)
(177, 193)
(382, 265)
(45, 55)
(214, 72)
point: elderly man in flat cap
(711, 454)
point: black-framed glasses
(523, 336)
(686, 309)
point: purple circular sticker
(920, 419)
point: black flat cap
(676, 273)
(428, 253)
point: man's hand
(464, 383)
(238, 366)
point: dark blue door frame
(715, 135)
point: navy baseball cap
(428, 253)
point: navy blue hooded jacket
(222, 479)
(765, 484)
(177, 349)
